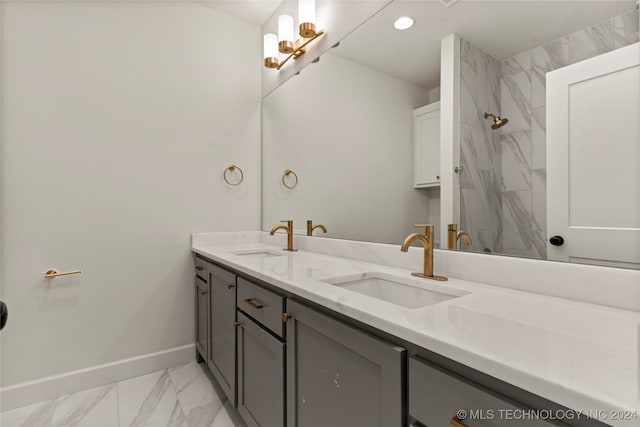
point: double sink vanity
(308, 338)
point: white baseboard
(48, 388)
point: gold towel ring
(287, 172)
(231, 168)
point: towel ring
(231, 168)
(288, 172)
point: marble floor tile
(177, 419)
(36, 415)
(227, 417)
(97, 407)
(205, 415)
(192, 386)
(146, 399)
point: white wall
(119, 119)
(337, 18)
(353, 158)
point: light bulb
(307, 11)
(403, 23)
(285, 33)
(307, 18)
(270, 50)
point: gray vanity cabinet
(260, 375)
(202, 313)
(222, 352)
(340, 376)
(436, 396)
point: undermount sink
(257, 253)
(393, 289)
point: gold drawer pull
(230, 286)
(199, 267)
(203, 293)
(457, 422)
(253, 304)
(50, 274)
(236, 324)
(286, 317)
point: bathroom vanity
(303, 339)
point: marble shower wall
(523, 145)
(480, 149)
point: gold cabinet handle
(457, 422)
(230, 286)
(253, 304)
(51, 273)
(231, 168)
(203, 293)
(236, 324)
(199, 268)
(286, 173)
(286, 317)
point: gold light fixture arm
(231, 168)
(298, 48)
(51, 273)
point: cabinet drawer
(201, 269)
(223, 275)
(263, 305)
(436, 395)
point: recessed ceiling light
(403, 23)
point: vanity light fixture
(403, 23)
(284, 42)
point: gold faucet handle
(428, 228)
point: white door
(593, 160)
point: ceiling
(253, 11)
(500, 28)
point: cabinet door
(202, 317)
(426, 143)
(436, 396)
(222, 353)
(340, 376)
(260, 375)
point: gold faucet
(454, 235)
(427, 241)
(311, 227)
(289, 229)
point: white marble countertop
(580, 355)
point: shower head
(498, 122)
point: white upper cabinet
(426, 146)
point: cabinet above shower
(426, 146)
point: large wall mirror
(338, 139)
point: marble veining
(36, 415)
(516, 161)
(480, 148)
(149, 400)
(627, 29)
(95, 407)
(591, 41)
(516, 210)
